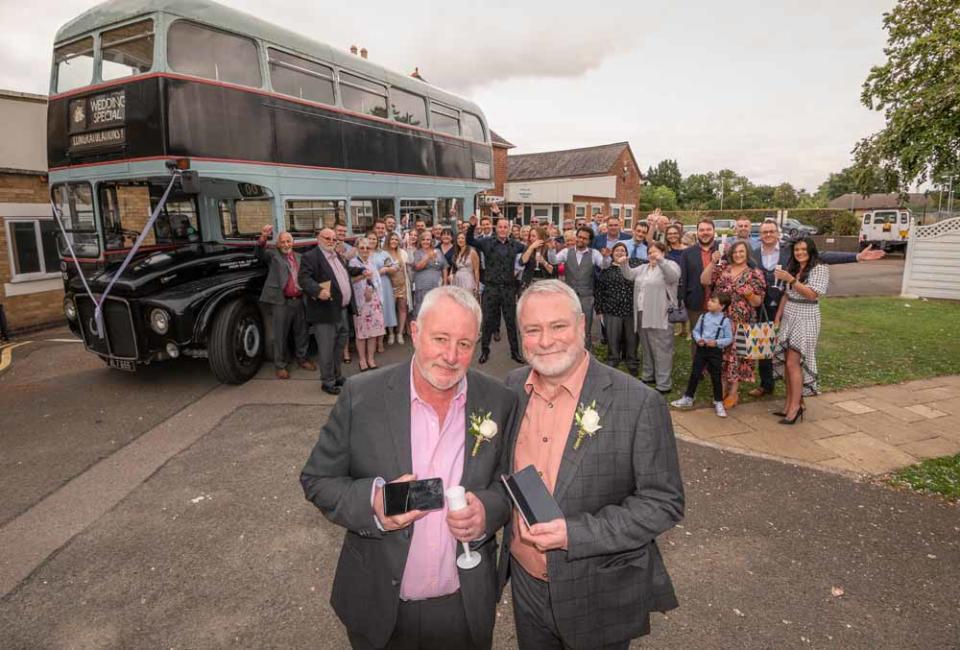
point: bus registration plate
(122, 364)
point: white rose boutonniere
(482, 428)
(588, 422)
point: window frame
(94, 63)
(313, 237)
(154, 19)
(196, 23)
(483, 127)
(423, 98)
(354, 86)
(446, 111)
(44, 273)
(332, 78)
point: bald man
(282, 292)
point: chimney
(363, 53)
(416, 74)
(353, 50)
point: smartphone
(399, 498)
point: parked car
(793, 229)
(725, 224)
(885, 229)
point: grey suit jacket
(368, 435)
(618, 492)
(278, 271)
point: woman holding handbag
(799, 319)
(732, 274)
(654, 292)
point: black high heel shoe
(799, 415)
(783, 413)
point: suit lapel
(595, 387)
(521, 411)
(397, 402)
(474, 404)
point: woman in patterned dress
(429, 270)
(614, 302)
(386, 268)
(795, 359)
(745, 285)
(368, 322)
(467, 264)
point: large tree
(667, 174)
(699, 191)
(851, 179)
(918, 89)
(657, 196)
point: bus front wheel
(235, 347)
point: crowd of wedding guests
(647, 288)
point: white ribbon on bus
(98, 310)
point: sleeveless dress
(800, 329)
(464, 276)
(382, 258)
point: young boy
(712, 333)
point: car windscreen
(74, 203)
(126, 208)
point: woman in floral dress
(368, 322)
(745, 285)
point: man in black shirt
(500, 285)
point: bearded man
(397, 583)
(604, 446)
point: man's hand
(395, 522)
(701, 343)
(605, 251)
(470, 523)
(711, 344)
(266, 232)
(547, 536)
(473, 220)
(324, 294)
(869, 254)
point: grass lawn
(864, 341)
(935, 476)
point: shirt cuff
(377, 483)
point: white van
(885, 229)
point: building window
(74, 63)
(473, 128)
(445, 120)
(297, 77)
(596, 209)
(363, 96)
(408, 108)
(126, 51)
(581, 212)
(209, 53)
(616, 212)
(303, 218)
(33, 248)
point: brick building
(561, 185)
(31, 288)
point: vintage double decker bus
(219, 123)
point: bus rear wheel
(235, 347)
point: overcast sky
(769, 89)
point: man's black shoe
(331, 390)
(516, 357)
(484, 357)
(339, 381)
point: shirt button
(545, 576)
(545, 439)
(549, 405)
(540, 473)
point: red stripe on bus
(264, 93)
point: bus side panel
(369, 146)
(415, 153)
(307, 136)
(218, 122)
(454, 158)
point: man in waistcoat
(580, 267)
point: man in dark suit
(283, 293)
(604, 445)
(329, 302)
(692, 262)
(397, 584)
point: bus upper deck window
(127, 50)
(473, 127)
(203, 52)
(74, 63)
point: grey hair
(457, 294)
(555, 287)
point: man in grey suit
(397, 584)
(591, 578)
(282, 292)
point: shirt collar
(460, 395)
(572, 384)
(775, 249)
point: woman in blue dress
(385, 265)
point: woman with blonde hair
(400, 284)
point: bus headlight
(159, 321)
(69, 308)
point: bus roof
(218, 15)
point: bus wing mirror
(190, 182)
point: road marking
(6, 354)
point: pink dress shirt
(340, 271)
(437, 451)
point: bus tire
(235, 346)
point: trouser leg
(301, 335)
(532, 612)
(715, 365)
(434, 624)
(615, 327)
(280, 319)
(326, 335)
(491, 315)
(341, 338)
(693, 315)
(766, 374)
(696, 372)
(509, 306)
(630, 342)
(646, 371)
(661, 343)
(586, 303)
